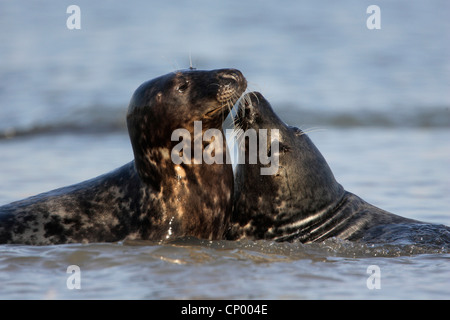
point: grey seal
(302, 201)
(151, 197)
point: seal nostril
(234, 75)
(231, 84)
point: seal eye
(183, 87)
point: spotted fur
(149, 198)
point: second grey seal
(303, 201)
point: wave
(96, 120)
(271, 251)
(433, 117)
(106, 119)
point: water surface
(376, 104)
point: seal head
(174, 101)
(302, 186)
(196, 196)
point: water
(193, 269)
(377, 103)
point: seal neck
(317, 226)
(192, 196)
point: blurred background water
(380, 100)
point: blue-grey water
(376, 103)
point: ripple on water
(190, 268)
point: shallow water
(376, 104)
(404, 181)
(193, 269)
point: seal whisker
(255, 95)
(253, 86)
(229, 105)
(312, 129)
(236, 106)
(191, 66)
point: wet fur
(149, 198)
(303, 201)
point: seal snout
(254, 98)
(232, 84)
(250, 101)
(232, 76)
